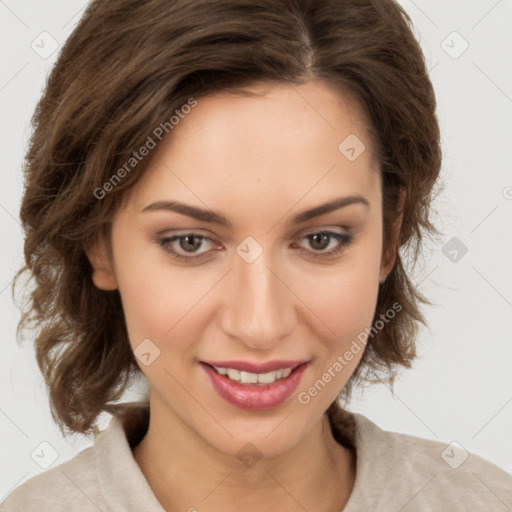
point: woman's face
(270, 284)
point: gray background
(460, 389)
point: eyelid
(174, 237)
(320, 229)
(344, 239)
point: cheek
(343, 308)
(163, 302)
(158, 301)
(343, 298)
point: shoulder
(72, 482)
(418, 473)
(102, 477)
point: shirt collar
(125, 487)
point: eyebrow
(206, 215)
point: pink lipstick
(252, 386)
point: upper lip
(247, 366)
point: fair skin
(259, 161)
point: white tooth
(248, 378)
(222, 371)
(279, 374)
(267, 378)
(286, 372)
(233, 374)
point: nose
(258, 308)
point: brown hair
(124, 70)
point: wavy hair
(126, 67)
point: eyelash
(344, 240)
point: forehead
(286, 140)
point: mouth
(253, 390)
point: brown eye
(185, 247)
(321, 240)
(190, 242)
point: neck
(186, 473)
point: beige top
(395, 472)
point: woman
(216, 196)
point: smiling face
(264, 281)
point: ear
(99, 254)
(389, 256)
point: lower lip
(255, 397)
